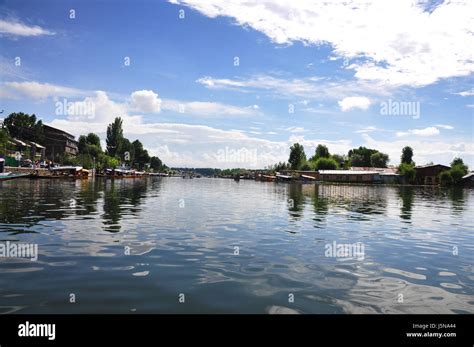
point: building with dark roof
(58, 143)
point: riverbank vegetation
(119, 149)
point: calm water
(182, 237)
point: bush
(325, 164)
(408, 172)
(446, 178)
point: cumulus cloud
(394, 42)
(17, 28)
(146, 101)
(352, 102)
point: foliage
(297, 156)
(379, 159)
(407, 155)
(446, 178)
(408, 172)
(361, 156)
(24, 126)
(114, 137)
(326, 164)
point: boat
(76, 172)
(123, 173)
(5, 176)
(308, 178)
(266, 178)
(283, 178)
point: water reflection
(406, 194)
(82, 228)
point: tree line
(364, 157)
(118, 149)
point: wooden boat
(267, 178)
(308, 178)
(5, 176)
(76, 172)
(123, 173)
(283, 178)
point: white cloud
(466, 93)
(429, 131)
(394, 42)
(295, 129)
(36, 90)
(351, 102)
(425, 150)
(146, 101)
(309, 88)
(16, 28)
(444, 126)
(208, 109)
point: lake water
(126, 246)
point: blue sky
(308, 73)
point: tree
(82, 144)
(408, 172)
(297, 156)
(93, 139)
(459, 163)
(357, 160)
(361, 156)
(114, 137)
(321, 152)
(379, 159)
(445, 177)
(156, 164)
(325, 164)
(407, 155)
(25, 127)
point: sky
(235, 83)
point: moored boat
(5, 176)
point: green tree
(321, 152)
(156, 164)
(407, 155)
(25, 127)
(93, 139)
(114, 137)
(325, 164)
(297, 156)
(446, 178)
(361, 156)
(408, 172)
(379, 159)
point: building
(429, 174)
(468, 180)
(355, 176)
(58, 142)
(388, 175)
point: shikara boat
(5, 176)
